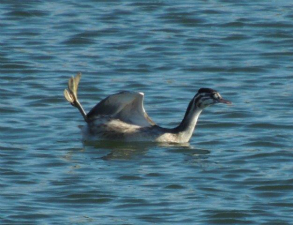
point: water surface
(238, 166)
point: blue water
(238, 166)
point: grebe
(122, 116)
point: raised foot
(71, 94)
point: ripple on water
(21, 14)
(130, 178)
(225, 218)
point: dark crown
(206, 90)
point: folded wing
(126, 106)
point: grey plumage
(122, 116)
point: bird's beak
(221, 100)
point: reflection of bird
(122, 116)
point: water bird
(122, 116)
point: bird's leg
(71, 94)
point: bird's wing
(126, 106)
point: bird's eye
(216, 96)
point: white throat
(187, 126)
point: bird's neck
(187, 126)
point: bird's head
(206, 97)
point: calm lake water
(238, 167)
